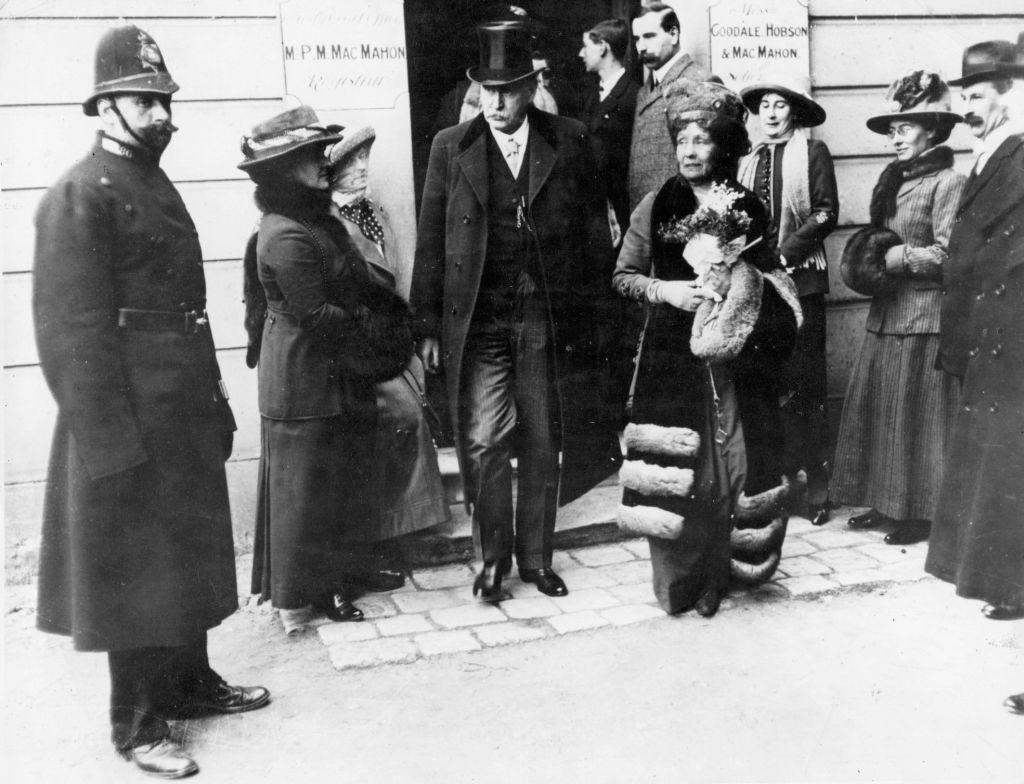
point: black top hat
(128, 61)
(984, 62)
(505, 49)
(283, 134)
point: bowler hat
(283, 134)
(807, 113)
(128, 61)
(985, 61)
(919, 96)
(505, 54)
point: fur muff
(379, 343)
(649, 479)
(649, 521)
(766, 504)
(863, 263)
(753, 574)
(758, 540)
(720, 329)
(659, 440)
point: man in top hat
(136, 556)
(977, 541)
(652, 154)
(512, 266)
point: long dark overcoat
(136, 544)
(977, 541)
(566, 208)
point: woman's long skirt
(895, 428)
(317, 507)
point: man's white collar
(661, 73)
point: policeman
(136, 556)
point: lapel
(472, 157)
(909, 185)
(682, 65)
(976, 184)
(542, 156)
(616, 93)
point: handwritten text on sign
(751, 37)
(348, 55)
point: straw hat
(807, 113)
(350, 142)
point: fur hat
(863, 264)
(807, 113)
(283, 134)
(919, 96)
(350, 142)
(687, 101)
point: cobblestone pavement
(609, 585)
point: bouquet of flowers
(715, 234)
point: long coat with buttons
(977, 540)
(136, 546)
(566, 209)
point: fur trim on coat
(862, 266)
(649, 479)
(758, 540)
(766, 504)
(659, 440)
(649, 521)
(753, 574)
(720, 329)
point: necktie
(361, 213)
(513, 156)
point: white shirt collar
(607, 84)
(521, 135)
(984, 148)
(660, 73)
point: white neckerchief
(605, 85)
(505, 144)
(661, 73)
(984, 148)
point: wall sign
(750, 37)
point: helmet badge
(149, 53)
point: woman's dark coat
(136, 545)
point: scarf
(361, 213)
(883, 197)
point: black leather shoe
(226, 699)
(339, 609)
(1014, 703)
(546, 580)
(819, 515)
(163, 759)
(910, 532)
(707, 604)
(870, 519)
(1002, 612)
(488, 583)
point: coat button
(994, 408)
(128, 208)
(997, 349)
(465, 219)
(980, 295)
(967, 408)
(973, 352)
(1000, 290)
(447, 355)
(455, 310)
(458, 265)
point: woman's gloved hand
(681, 294)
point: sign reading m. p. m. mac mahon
(349, 54)
(750, 37)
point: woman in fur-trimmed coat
(704, 432)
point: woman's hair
(731, 143)
(614, 33)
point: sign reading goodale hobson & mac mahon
(750, 37)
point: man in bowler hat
(512, 265)
(136, 557)
(977, 541)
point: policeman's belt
(189, 322)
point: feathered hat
(919, 96)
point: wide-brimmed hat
(807, 113)
(505, 54)
(128, 61)
(919, 96)
(985, 61)
(687, 101)
(350, 142)
(283, 134)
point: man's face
(982, 108)
(505, 107)
(591, 53)
(654, 45)
(147, 115)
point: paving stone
(434, 643)
(905, 571)
(585, 578)
(631, 613)
(335, 633)
(637, 593)
(639, 547)
(467, 615)
(862, 576)
(450, 576)
(376, 606)
(372, 653)
(628, 573)
(846, 560)
(520, 590)
(577, 621)
(403, 624)
(800, 525)
(586, 599)
(882, 552)
(602, 555)
(562, 559)
(795, 545)
(825, 539)
(802, 565)
(537, 607)
(509, 633)
(421, 601)
(810, 584)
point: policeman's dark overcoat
(136, 546)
